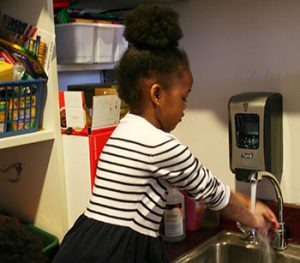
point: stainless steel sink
(231, 247)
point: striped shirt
(134, 170)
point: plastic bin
(89, 42)
(20, 106)
(50, 242)
(121, 44)
(104, 43)
(74, 43)
(21, 240)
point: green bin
(50, 242)
(24, 242)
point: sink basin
(231, 247)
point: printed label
(247, 155)
(173, 217)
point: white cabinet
(39, 196)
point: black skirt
(92, 241)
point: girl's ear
(155, 94)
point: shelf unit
(40, 196)
(14, 141)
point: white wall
(236, 46)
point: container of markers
(20, 106)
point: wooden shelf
(18, 140)
(84, 67)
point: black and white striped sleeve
(174, 163)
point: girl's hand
(266, 219)
(238, 209)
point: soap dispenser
(174, 216)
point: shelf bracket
(18, 168)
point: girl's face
(173, 101)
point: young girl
(141, 158)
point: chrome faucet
(249, 233)
(279, 241)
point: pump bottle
(174, 216)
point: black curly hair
(153, 33)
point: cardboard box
(91, 90)
(79, 118)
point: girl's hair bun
(152, 26)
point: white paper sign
(106, 111)
(75, 115)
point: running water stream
(264, 239)
(253, 196)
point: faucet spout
(279, 240)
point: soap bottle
(174, 216)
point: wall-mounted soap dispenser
(255, 133)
